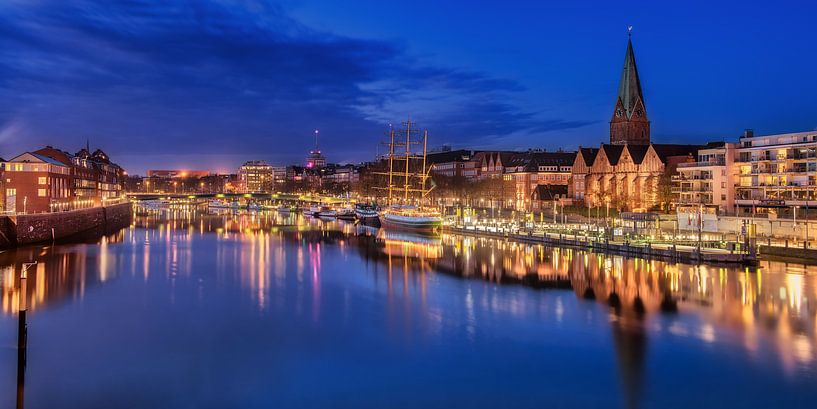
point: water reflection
(276, 259)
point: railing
(704, 163)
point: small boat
(326, 212)
(367, 214)
(218, 204)
(287, 209)
(310, 211)
(346, 214)
(253, 207)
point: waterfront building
(49, 179)
(346, 175)
(631, 172)
(775, 173)
(450, 163)
(524, 172)
(709, 181)
(279, 176)
(256, 176)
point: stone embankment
(25, 229)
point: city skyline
(220, 85)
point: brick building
(631, 172)
(49, 179)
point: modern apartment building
(256, 176)
(775, 172)
(709, 180)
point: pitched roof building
(627, 172)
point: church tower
(630, 123)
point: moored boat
(346, 214)
(326, 212)
(367, 214)
(411, 219)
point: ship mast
(406, 138)
(408, 160)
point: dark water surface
(254, 311)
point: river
(191, 310)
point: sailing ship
(408, 211)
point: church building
(630, 173)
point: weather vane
(629, 30)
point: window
(42, 180)
(41, 193)
(11, 192)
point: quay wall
(44, 227)
(672, 254)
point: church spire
(629, 89)
(630, 123)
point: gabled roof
(589, 155)
(56, 154)
(629, 88)
(613, 152)
(637, 152)
(28, 157)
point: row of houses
(50, 180)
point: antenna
(629, 31)
(316, 139)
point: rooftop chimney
(748, 133)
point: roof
(637, 152)
(549, 192)
(37, 156)
(613, 152)
(56, 154)
(589, 155)
(629, 89)
(531, 161)
(460, 155)
(666, 150)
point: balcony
(702, 164)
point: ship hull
(418, 224)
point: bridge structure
(258, 197)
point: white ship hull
(429, 223)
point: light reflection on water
(449, 295)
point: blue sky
(209, 84)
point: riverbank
(675, 253)
(24, 229)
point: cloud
(238, 77)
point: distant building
(256, 176)
(449, 163)
(315, 159)
(177, 173)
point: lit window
(42, 180)
(41, 193)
